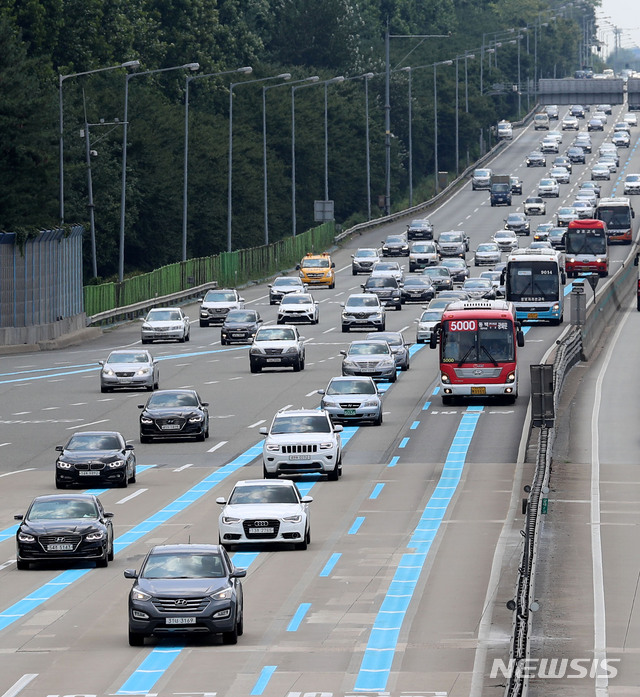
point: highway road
(413, 551)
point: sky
(624, 14)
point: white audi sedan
(264, 511)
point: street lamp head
(470, 56)
(339, 78)
(368, 76)
(406, 69)
(449, 62)
(313, 78)
(284, 76)
(246, 70)
(192, 66)
(130, 64)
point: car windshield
(360, 301)
(276, 334)
(450, 237)
(487, 248)
(504, 235)
(373, 348)
(351, 387)
(454, 263)
(633, 178)
(415, 281)
(436, 272)
(296, 300)
(547, 182)
(366, 253)
(188, 565)
(286, 281)
(533, 199)
(424, 248)
(261, 493)
(431, 316)
(515, 218)
(395, 239)
(163, 316)
(128, 358)
(220, 296)
(295, 423)
(241, 316)
(98, 441)
(315, 263)
(475, 283)
(172, 399)
(377, 282)
(482, 173)
(62, 509)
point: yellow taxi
(317, 270)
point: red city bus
(478, 343)
(586, 247)
(617, 213)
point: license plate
(237, 336)
(171, 427)
(274, 360)
(362, 321)
(89, 473)
(532, 315)
(180, 620)
(349, 412)
(60, 548)
(478, 390)
(257, 531)
(299, 457)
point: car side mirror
(108, 514)
(221, 500)
(130, 573)
(140, 406)
(18, 517)
(264, 430)
(321, 391)
(306, 499)
(238, 573)
(129, 446)
(343, 352)
(241, 300)
(297, 267)
(59, 448)
(205, 404)
(520, 338)
(333, 264)
(101, 363)
(338, 428)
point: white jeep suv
(302, 441)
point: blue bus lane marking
(383, 638)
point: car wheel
(104, 389)
(394, 378)
(354, 272)
(378, 420)
(241, 624)
(110, 555)
(255, 368)
(156, 385)
(304, 544)
(125, 481)
(268, 475)
(22, 565)
(149, 388)
(182, 339)
(232, 636)
(200, 437)
(297, 367)
(406, 366)
(104, 561)
(145, 341)
(188, 336)
(223, 342)
(332, 286)
(447, 400)
(136, 639)
(381, 328)
(332, 476)
(204, 323)
(132, 480)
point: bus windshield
(585, 242)
(615, 217)
(478, 341)
(533, 281)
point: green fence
(229, 269)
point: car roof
(63, 497)
(97, 433)
(301, 412)
(269, 482)
(185, 547)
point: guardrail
(576, 344)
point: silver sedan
(129, 368)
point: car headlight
(95, 536)
(146, 420)
(370, 403)
(196, 419)
(326, 446)
(64, 465)
(348, 363)
(137, 594)
(272, 447)
(176, 327)
(386, 363)
(228, 520)
(109, 372)
(293, 518)
(224, 594)
(291, 349)
(143, 371)
(115, 464)
(25, 537)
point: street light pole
(186, 66)
(435, 119)
(339, 78)
(246, 70)
(367, 77)
(387, 106)
(61, 79)
(282, 76)
(313, 78)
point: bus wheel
(447, 400)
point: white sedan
(507, 240)
(165, 323)
(548, 187)
(265, 511)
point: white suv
(216, 304)
(302, 441)
(277, 347)
(363, 311)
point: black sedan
(174, 414)
(518, 222)
(186, 589)
(439, 277)
(64, 527)
(102, 457)
(458, 269)
(240, 326)
(395, 246)
(417, 289)
(576, 155)
(536, 159)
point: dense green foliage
(43, 39)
